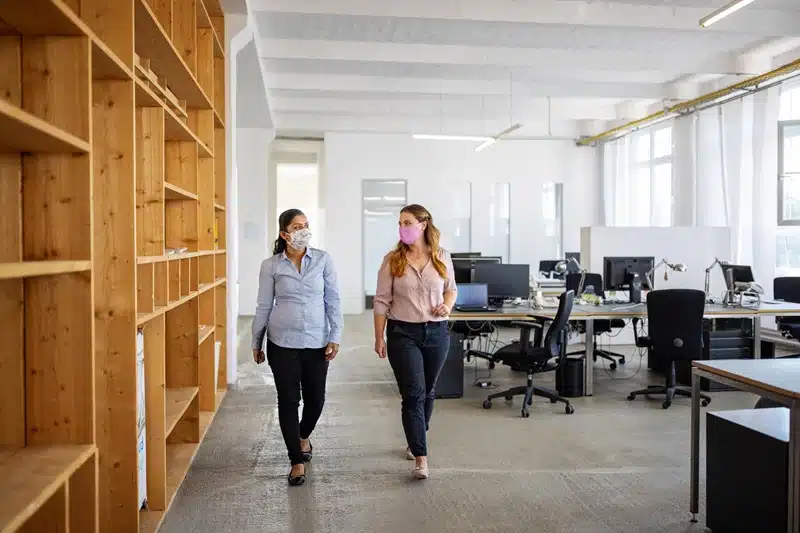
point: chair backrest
(573, 280)
(555, 338)
(787, 289)
(675, 323)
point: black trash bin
(569, 377)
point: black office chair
(788, 289)
(600, 326)
(472, 331)
(536, 358)
(675, 333)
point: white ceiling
(561, 67)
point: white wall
(429, 166)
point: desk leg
(588, 367)
(756, 337)
(793, 518)
(694, 495)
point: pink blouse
(413, 296)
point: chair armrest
(527, 325)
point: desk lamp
(707, 286)
(675, 267)
(561, 268)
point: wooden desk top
(780, 376)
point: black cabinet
(451, 380)
(747, 470)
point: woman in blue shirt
(299, 312)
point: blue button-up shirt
(298, 309)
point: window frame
(782, 126)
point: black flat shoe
(296, 481)
(307, 456)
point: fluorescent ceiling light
(450, 137)
(486, 144)
(723, 12)
(490, 141)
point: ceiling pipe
(689, 106)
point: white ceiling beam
(401, 124)
(474, 108)
(439, 86)
(754, 20)
(548, 60)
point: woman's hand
(380, 347)
(441, 310)
(258, 356)
(331, 351)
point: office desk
(503, 314)
(777, 379)
(590, 313)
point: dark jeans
(295, 370)
(417, 352)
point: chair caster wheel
(509, 399)
(622, 360)
(487, 404)
(631, 397)
(491, 365)
(704, 403)
(666, 404)
(613, 366)
(569, 409)
(553, 400)
(526, 413)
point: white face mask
(300, 239)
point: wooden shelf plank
(203, 333)
(106, 65)
(173, 192)
(221, 251)
(143, 318)
(177, 401)
(218, 122)
(148, 259)
(42, 17)
(219, 207)
(21, 131)
(204, 287)
(28, 269)
(204, 151)
(153, 43)
(204, 21)
(31, 475)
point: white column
(683, 171)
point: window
(552, 206)
(500, 221)
(787, 253)
(382, 202)
(637, 175)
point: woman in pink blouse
(416, 291)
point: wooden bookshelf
(112, 152)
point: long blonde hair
(398, 260)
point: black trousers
(296, 370)
(417, 353)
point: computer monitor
(504, 281)
(472, 295)
(618, 271)
(462, 255)
(738, 274)
(463, 274)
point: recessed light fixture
(724, 11)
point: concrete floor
(612, 467)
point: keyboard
(467, 309)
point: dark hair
(283, 223)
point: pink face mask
(410, 234)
